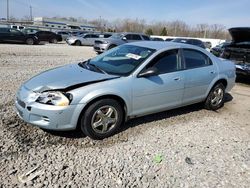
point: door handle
(212, 72)
(177, 79)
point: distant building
(59, 24)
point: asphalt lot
(186, 147)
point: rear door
(41, 35)
(86, 39)
(92, 39)
(199, 73)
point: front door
(163, 91)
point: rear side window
(4, 30)
(136, 37)
(145, 37)
(196, 42)
(94, 36)
(107, 35)
(166, 62)
(195, 59)
(133, 37)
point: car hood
(240, 34)
(65, 78)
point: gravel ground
(186, 147)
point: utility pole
(31, 13)
(8, 17)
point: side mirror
(124, 38)
(152, 71)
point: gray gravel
(196, 147)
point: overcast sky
(227, 12)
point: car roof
(158, 45)
(125, 33)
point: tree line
(176, 28)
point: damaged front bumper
(46, 116)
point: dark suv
(195, 42)
(48, 36)
(9, 35)
(239, 50)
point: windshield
(122, 60)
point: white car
(87, 39)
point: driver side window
(166, 62)
(16, 32)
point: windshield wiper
(96, 67)
(87, 65)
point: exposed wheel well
(115, 97)
(223, 81)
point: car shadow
(170, 113)
(142, 120)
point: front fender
(100, 93)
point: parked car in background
(217, 50)
(30, 30)
(9, 35)
(77, 33)
(208, 44)
(118, 39)
(48, 36)
(169, 39)
(195, 42)
(64, 34)
(87, 39)
(239, 50)
(156, 39)
(135, 79)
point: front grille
(21, 103)
(96, 48)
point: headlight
(55, 98)
(105, 42)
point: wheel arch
(107, 96)
(220, 80)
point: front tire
(78, 43)
(30, 41)
(216, 97)
(102, 119)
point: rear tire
(78, 43)
(54, 41)
(102, 119)
(215, 98)
(30, 41)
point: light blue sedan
(128, 81)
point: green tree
(149, 31)
(164, 32)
